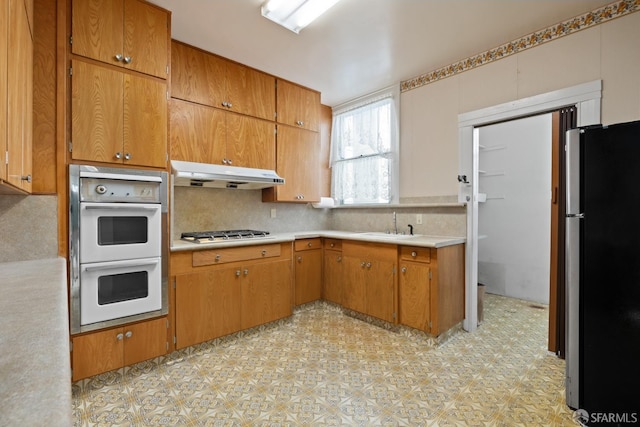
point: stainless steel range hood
(191, 174)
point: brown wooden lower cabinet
(332, 271)
(219, 292)
(369, 279)
(106, 350)
(308, 270)
(431, 288)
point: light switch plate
(418, 219)
(273, 212)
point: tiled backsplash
(216, 209)
(28, 227)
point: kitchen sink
(383, 235)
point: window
(364, 150)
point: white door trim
(587, 99)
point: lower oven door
(110, 290)
(115, 231)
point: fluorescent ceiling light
(295, 14)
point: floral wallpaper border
(589, 19)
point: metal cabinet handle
(229, 161)
(118, 155)
(362, 264)
(128, 334)
(224, 161)
(26, 178)
(368, 265)
(238, 273)
(119, 336)
(264, 252)
(229, 105)
(404, 269)
(118, 57)
(300, 123)
(128, 59)
(218, 257)
(246, 271)
(127, 156)
(414, 254)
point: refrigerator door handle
(577, 215)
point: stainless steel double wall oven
(117, 246)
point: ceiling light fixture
(295, 14)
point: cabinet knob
(229, 162)
(368, 265)
(118, 57)
(217, 257)
(404, 269)
(246, 271)
(128, 334)
(229, 105)
(238, 273)
(299, 259)
(309, 244)
(332, 244)
(224, 161)
(300, 123)
(414, 254)
(127, 156)
(264, 252)
(26, 178)
(128, 59)
(118, 155)
(119, 336)
(362, 264)
(339, 258)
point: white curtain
(364, 151)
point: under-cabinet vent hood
(191, 174)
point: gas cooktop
(222, 235)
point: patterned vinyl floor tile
(324, 368)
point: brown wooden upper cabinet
(203, 134)
(204, 78)
(117, 117)
(128, 33)
(298, 106)
(16, 100)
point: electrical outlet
(418, 219)
(273, 212)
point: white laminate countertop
(406, 240)
(35, 376)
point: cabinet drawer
(413, 253)
(306, 244)
(370, 251)
(242, 253)
(333, 244)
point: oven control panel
(115, 190)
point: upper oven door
(117, 231)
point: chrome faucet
(395, 224)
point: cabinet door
(20, 96)
(251, 142)
(207, 305)
(250, 91)
(266, 293)
(380, 289)
(353, 285)
(297, 161)
(96, 113)
(414, 308)
(308, 276)
(198, 133)
(97, 352)
(145, 121)
(298, 106)
(332, 278)
(4, 42)
(196, 75)
(146, 38)
(145, 340)
(96, 26)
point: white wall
(428, 123)
(514, 224)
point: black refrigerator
(603, 274)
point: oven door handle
(120, 264)
(122, 207)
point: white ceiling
(359, 46)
